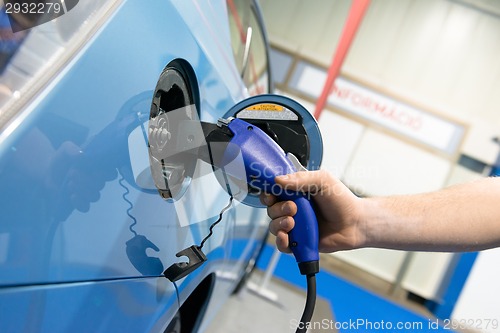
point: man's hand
(337, 210)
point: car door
(83, 242)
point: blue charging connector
(264, 160)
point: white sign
(368, 104)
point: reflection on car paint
(71, 255)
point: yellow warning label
(266, 107)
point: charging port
(175, 99)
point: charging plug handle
(264, 159)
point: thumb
(303, 181)
(319, 184)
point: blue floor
(355, 309)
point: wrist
(356, 234)
(366, 218)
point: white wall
(439, 55)
(384, 165)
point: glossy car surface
(82, 243)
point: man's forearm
(464, 217)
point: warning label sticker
(266, 107)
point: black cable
(310, 303)
(130, 204)
(216, 222)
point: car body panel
(82, 247)
(130, 306)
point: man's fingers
(319, 184)
(284, 224)
(303, 181)
(281, 209)
(267, 199)
(282, 242)
(312, 182)
(280, 228)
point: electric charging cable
(310, 304)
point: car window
(9, 41)
(30, 58)
(249, 45)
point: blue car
(85, 235)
